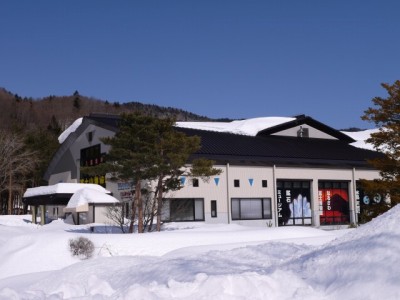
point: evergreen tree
(386, 116)
(54, 127)
(77, 102)
(172, 150)
(146, 148)
(44, 143)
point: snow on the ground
(202, 261)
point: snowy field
(198, 261)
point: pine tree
(386, 116)
(54, 127)
(146, 148)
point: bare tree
(16, 162)
(116, 214)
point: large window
(187, 209)
(293, 202)
(333, 199)
(251, 208)
(367, 202)
(92, 156)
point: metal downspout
(353, 200)
(275, 195)
(227, 193)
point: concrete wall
(225, 190)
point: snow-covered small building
(86, 203)
(275, 171)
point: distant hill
(18, 112)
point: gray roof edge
(67, 143)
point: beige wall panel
(244, 174)
(208, 191)
(313, 133)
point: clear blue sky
(234, 59)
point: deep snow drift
(199, 261)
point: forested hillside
(17, 112)
(29, 129)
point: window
(195, 182)
(55, 211)
(303, 132)
(236, 183)
(365, 202)
(294, 202)
(92, 156)
(90, 136)
(251, 208)
(213, 208)
(264, 183)
(186, 209)
(333, 198)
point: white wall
(225, 190)
(208, 191)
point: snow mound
(355, 265)
(19, 220)
(244, 263)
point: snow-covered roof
(245, 127)
(253, 126)
(249, 127)
(63, 188)
(88, 195)
(72, 128)
(360, 138)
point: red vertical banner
(333, 203)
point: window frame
(264, 183)
(332, 216)
(263, 215)
(195, 182)
(213, 206)
(193, 204)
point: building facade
(296, 171)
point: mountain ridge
(27, 112)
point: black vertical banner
(294, 203)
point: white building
(275, 171)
